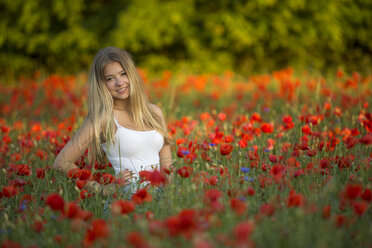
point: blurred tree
(191, 35)
(44, 33)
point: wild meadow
(272, 160)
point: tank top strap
(116, 122)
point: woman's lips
(123, 90)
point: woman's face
(116, 81)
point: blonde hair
(100, 103)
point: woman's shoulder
(156, 109)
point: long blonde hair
(100, 103)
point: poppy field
(273, 160)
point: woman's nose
(120, 81)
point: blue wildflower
(185, 152)
(246, 178)
(53, 216)
(5, 231)
(22, 207)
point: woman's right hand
(124, 177)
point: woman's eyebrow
(113, 74)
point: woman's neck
(121, 108)
(122, 105)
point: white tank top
(134, 150)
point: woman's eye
(123, 73)
(108, 79)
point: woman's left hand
(124, 177)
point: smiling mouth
(122, 90)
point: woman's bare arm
(165, 153)
(72, 151)
(165, 156)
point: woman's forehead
(112, 67)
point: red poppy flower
(350, 142)
(185, 171)
(137, 240)
(311, 153)
(287, 119)
(366, 139)
(140, 196)
(250, 191)
(22, 170)
(267, 128)
(41, 154)
(360, 207)
(212, 195)
(40, 173)
(18, 182)
(157, 228)
(229, 138)
(106, 178)
(10, 244)
(226, 149)
(287, 122)
(221, 116)
(324, 163)
(255, 118)
(144, 175)
(243, 231)
(182, 151)
(292, 162)
(10, 190)
(277, 171)
(298, 172)
(72, 210)
(157, 178)
(185, 223)
(123, 207)
(38, 226)
(85, 174)
(367, 195)
(56, 202)
(58, 238)
(213, 180)
(211, 198)
(84, 194)
(340, 73)
(85, 214)
(74, 173)
(267, 209)
(353, 191)
(243, 142)
(295, 200)
(306, 129)
(340, 220)
(275, 158)
(97, 230)
(326, 211)
(81, 183)
(238, 206)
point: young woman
(121, 123)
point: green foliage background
(190, 35)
